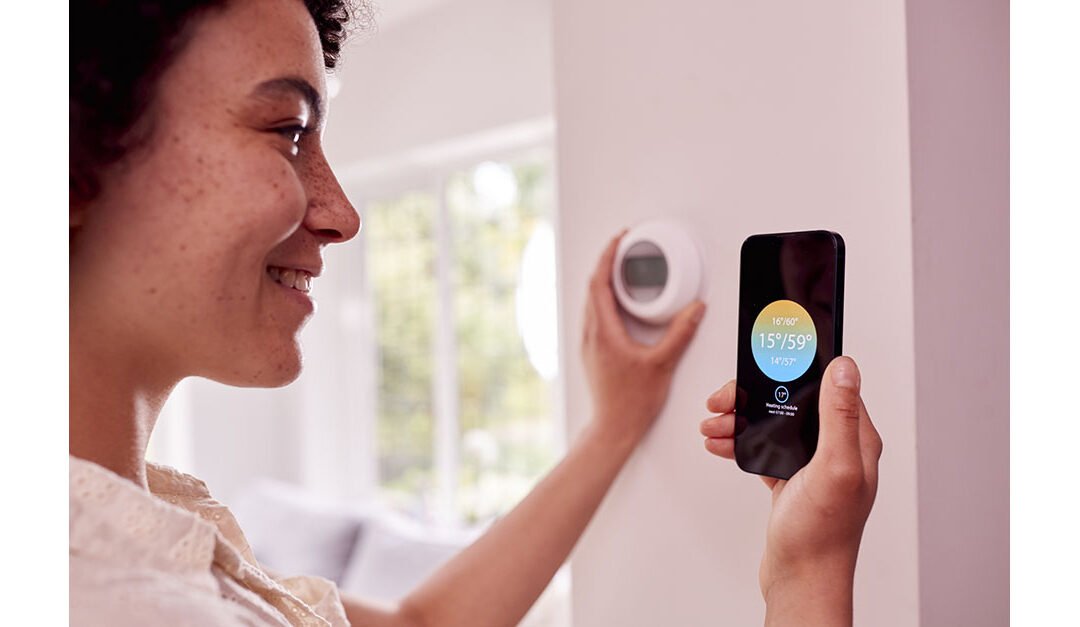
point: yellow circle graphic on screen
(784, 340)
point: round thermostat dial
(657, 271)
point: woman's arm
(496, 580)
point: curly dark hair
(119, 49)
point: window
(463, 283)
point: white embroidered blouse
(175, 556)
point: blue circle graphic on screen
(784, 340)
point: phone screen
(791, 293)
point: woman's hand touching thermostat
(629, 381)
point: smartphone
(791, 321)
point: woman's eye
(293, 134)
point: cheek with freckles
(268, 200)
(255, 332)
(230, 206)
(249, 194)
(190, 250)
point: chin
(275, 369)
(281, 371)
(279, 377)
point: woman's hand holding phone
(817, 520)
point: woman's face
(194, 258)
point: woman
(200, 203)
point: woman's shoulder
(112, 520)
(168, 481)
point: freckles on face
(216, 201)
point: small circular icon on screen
(781, 394)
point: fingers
(677, 338)
(718, 432)
(588, 331)
(840, 412)
(719, 426)
(601, 297)
(722, 447)
(722, 401)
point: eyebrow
(294, 85)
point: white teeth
(287, 277)
(290, 277)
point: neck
(115, 399)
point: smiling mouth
(298, 280)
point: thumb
(839, 411)
(672, 346)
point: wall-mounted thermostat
(657, 271)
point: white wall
(958, 57)
(461, 68)
(740, 118)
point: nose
(330, 215)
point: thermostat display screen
(651, 271)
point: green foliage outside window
(506, 409)
(401, 264)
